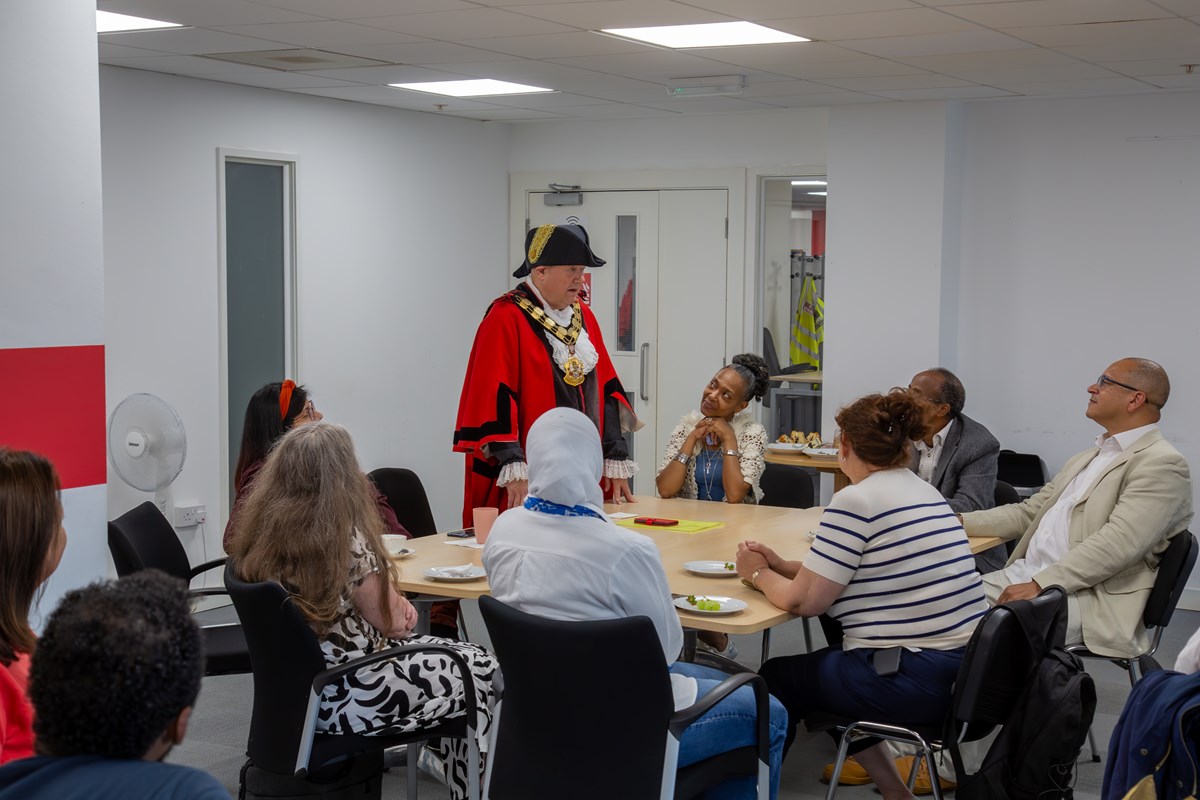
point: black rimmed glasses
(1104, 380)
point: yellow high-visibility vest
(807, 333)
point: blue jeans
(727, 726)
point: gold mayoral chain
(573, 373)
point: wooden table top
(799, 377)
(782, 529)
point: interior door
(623, 230)
(661, 299)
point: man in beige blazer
(1097, 529)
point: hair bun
(758, 368)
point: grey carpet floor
(216, 739)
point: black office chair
(771, 356)
(995, 670)
(785, 486)
(1026, 471)
(1005, 495)
(289, 676)
(142, 538)
(406, 495)
(575, 724)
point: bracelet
(734, 453)
(682, 458)
(754, 577)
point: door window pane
(626, 282)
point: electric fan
(147, 445)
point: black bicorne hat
(557, 245)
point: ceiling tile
(189, 41)
(121, 51)
(1174, 81)
(851, 69)
(425, 51)
(1159, 67)
(950, 93)
(186, 65)
(1184, 8)
(953, 63)
(767, 55)
(896, 82)
(784, 89)
(382, 76)
(907, 22)
(548, 101)
(943, 3)
(475, 23)
(1058, 12)
(560, 45)
(649, 64)
(1074, 71)
(1184, 49)
(384, 95)
(204, 14)
(619, 111)
(1158, 30)
(508, 114)
(269, 79)
(326, 35)
(759, 10)
(354, 9)
(623, 14)
(935, 44)
(706, 105)
(818, 100)
(1070, 88)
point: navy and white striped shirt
(910, 579)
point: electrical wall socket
(189, 516)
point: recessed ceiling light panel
(819, 194)
(485, 87)
(709, 34)
(108, 22)
(810, 182)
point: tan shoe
(853, 774)
(923, 784)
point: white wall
(51, 293)
(1079, 247)
(401, 245)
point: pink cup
(483, 519)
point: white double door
(661, 299)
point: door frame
(740, 286)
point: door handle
(643, 378)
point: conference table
(782, 529)
(797, 458)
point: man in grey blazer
(958, 456)
(1098, 528)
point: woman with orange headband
(273, 411)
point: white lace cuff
(619, 469)
(513, 471)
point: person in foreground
(310, 524)
(32, 540)
(114, 680)
(538, 348)
(716, 453)
(559, 556)
(957, 455)
(1097, 529)
(891, 564)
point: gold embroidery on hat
(539, 243)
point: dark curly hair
(116, 664)
(880, 427)
(753, 370)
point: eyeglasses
(309, 411)
(1104, 380)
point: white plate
(397, 546)
(714, 569)
(729, 605)
(786, 446)
(459, 574)
(821, 452)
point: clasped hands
(753, 556)
(714, 426)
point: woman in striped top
(892, 565)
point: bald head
(1150, 377)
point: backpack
(1034, 754)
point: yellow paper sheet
(684, 526)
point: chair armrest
(328, 676)
(684, 717)
(213, 591)
(206, 566)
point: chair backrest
(786, 486)
(1021, 469)
(1173, 571)
(406, 495)
(142, 538)
(1005, 494)
(999, 663)
(770, 354)
(285, 655)
(586, 707)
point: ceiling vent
(296, 60)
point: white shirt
(1050, 541)
(583, 568)
(931, 455)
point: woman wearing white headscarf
(558, 556)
